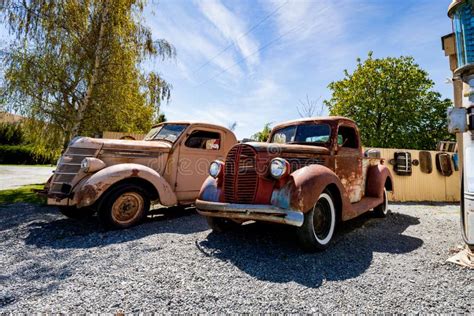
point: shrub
(24, 154)
(11, 133)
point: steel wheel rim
(127, 207)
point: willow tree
(74, 67)
(393, 102)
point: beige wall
(422, 186)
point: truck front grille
(240, 175)
(68, 167)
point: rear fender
(90, 190)
(306, 185)
(377, 177)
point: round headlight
(85, 164)
(215, 168)
(278, 168)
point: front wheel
(319, 224)
(382, 209)
(124, 207)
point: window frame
(190, 134)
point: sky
(252, 61)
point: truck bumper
(256, 212)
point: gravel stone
(174, 264)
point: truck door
(349, 162)
(196, 152)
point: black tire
(382, 209)
(319, 224)
(221, 225)
(77, 213)
(123, 207)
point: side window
(204, 140)
(347, 137)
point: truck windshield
(168, 132)
(303, 134)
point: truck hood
(289, 148)
(119, 144)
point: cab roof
(203, 124)
(328, 119)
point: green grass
(23, 194)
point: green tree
(74, 68)
(263, 135)
(393, 103)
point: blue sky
(295, 48)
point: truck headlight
(85, 164)
(279, 167)
(215, 169)
(90, 164)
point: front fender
(210, 190)
(305, 186)
(90, 190)
(376, 178)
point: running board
(367, 203)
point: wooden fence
(421, 186)
(120, 135)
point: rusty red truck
(311, 174)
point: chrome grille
(68, 167)
(240, 175)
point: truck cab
(119, 179)
(311, 174)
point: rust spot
(135, 172)
(86, 194)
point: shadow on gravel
(271, 253)
(69, 233)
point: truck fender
(89, 191)
(210, 190)
(378, 177)
(306, 185)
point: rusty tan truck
(311, 174)
(119, 179)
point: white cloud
(232, 28)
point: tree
(263, 135)
(74, 67)
(232, 126)
(393, 103)
(310, 108)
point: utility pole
(459, 46)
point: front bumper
(256, 212)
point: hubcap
(322, 219)
(127, 207)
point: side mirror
(457, 120)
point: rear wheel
(319, 224)
(76, 213)
(124, 207)
(220, 225)
(382, 209)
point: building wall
(422, 186)
(6, 117)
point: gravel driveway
(173, 263)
